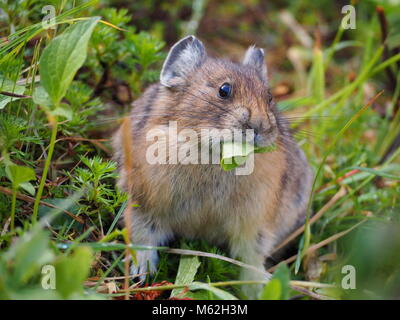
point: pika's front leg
(252, 251)
(145, 231)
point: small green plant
(57, 69)
(20, 177)
(97, 179)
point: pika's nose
(258, 139)
(260, 129)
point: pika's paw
(252, 291)
(147, 261)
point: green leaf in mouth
(235, 154)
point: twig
(5, 227)
(96, 142)
(26, 198)
(320, 244)
(116, 278)
(25, 81)
(310, 284)
(325, 208)
(14, 95)
(128, 162)
(293, 284)
(340, 179)
(220, 257)
(311, 294)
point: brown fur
(249, 213)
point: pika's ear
(255, 57)
(183, 58)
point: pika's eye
(225, 91)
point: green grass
(59, 205)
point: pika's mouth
(263, 140)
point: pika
(249, 214)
